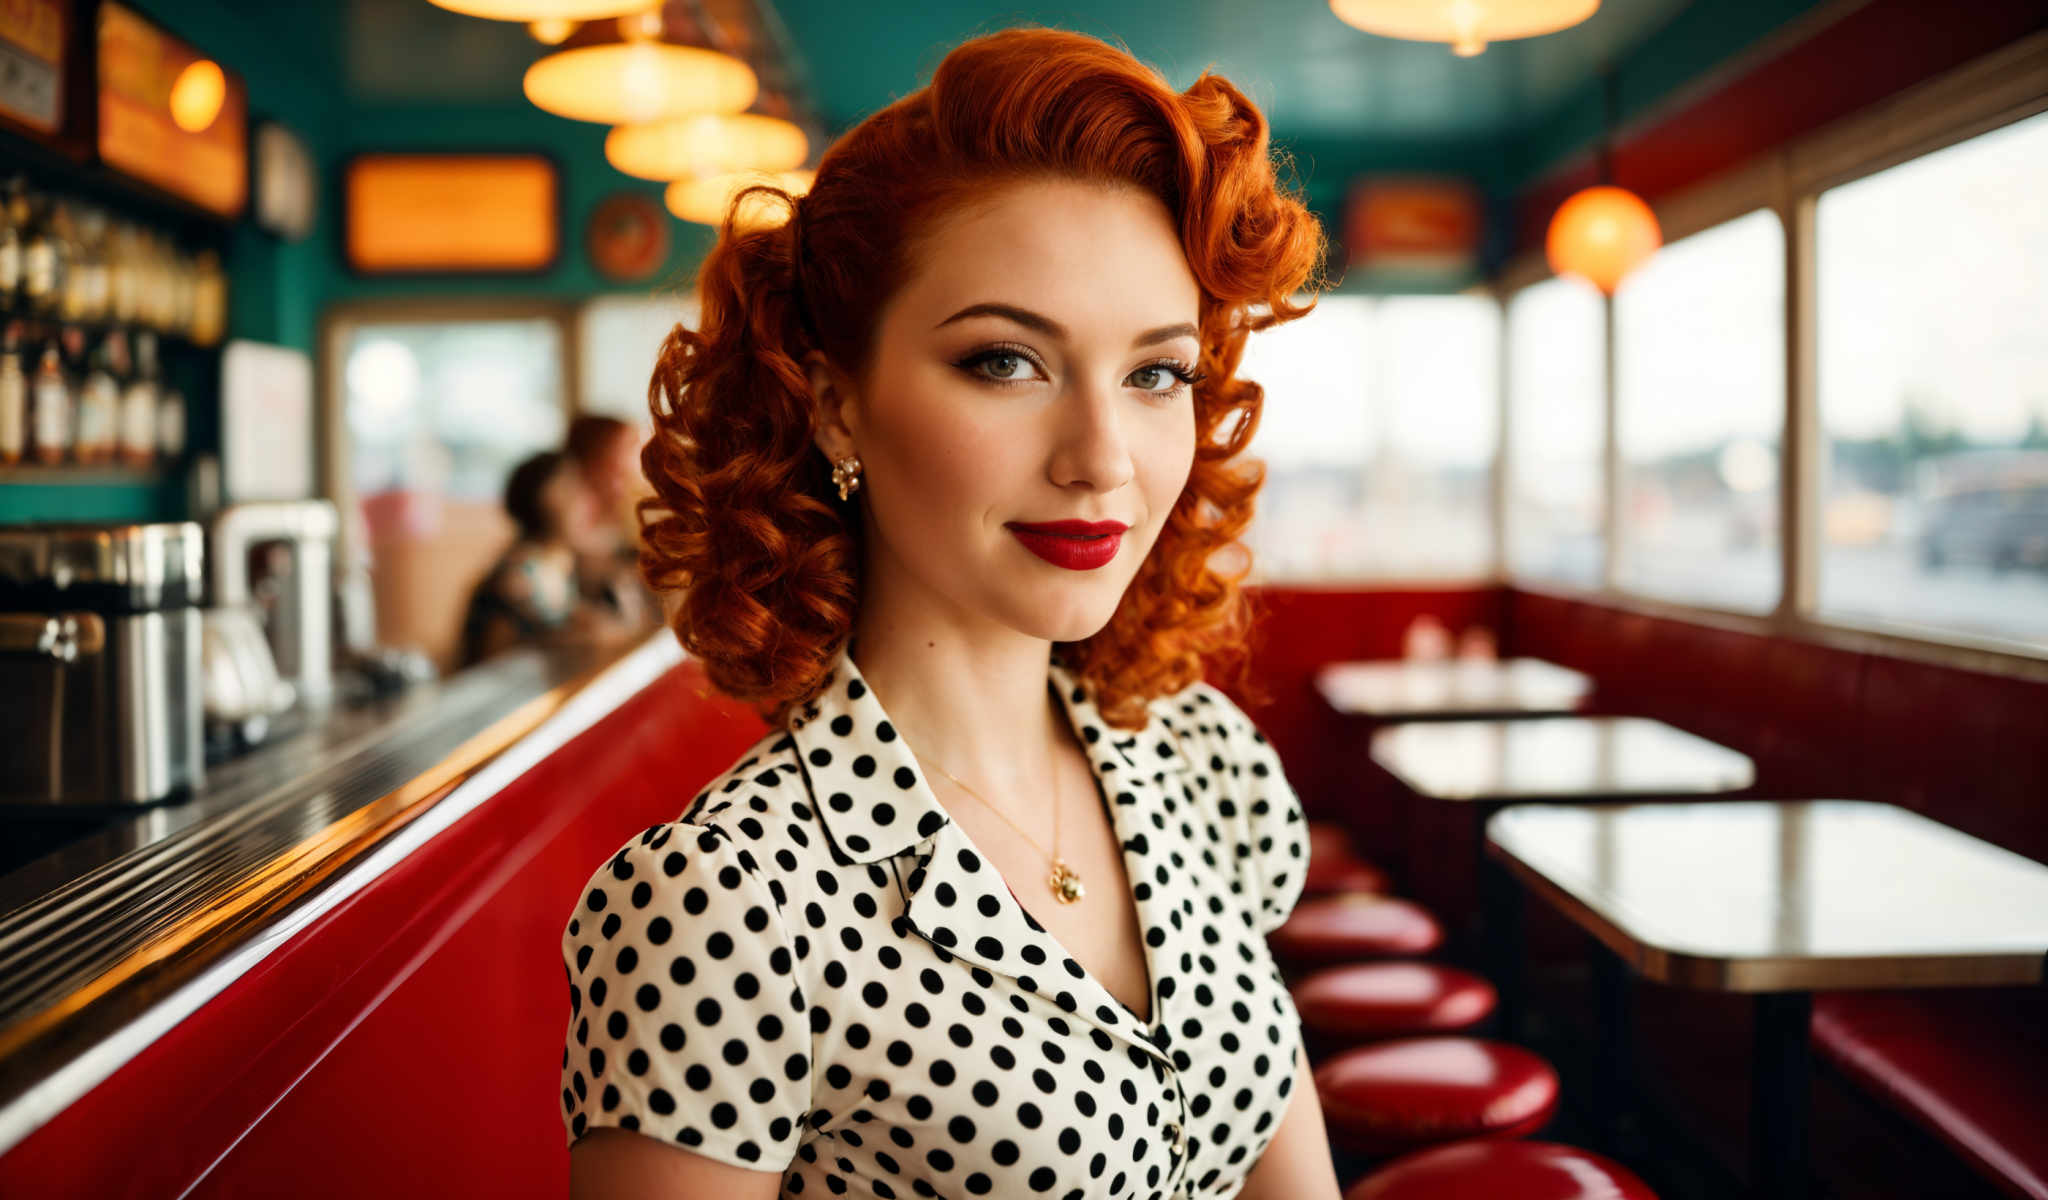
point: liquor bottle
(139, 405)
(124, 273)
(13, 221)
(93, 285)
(50, 400)
(13, 395)
(209, 300)
(170, 425)
(42, 261)
(99, 403)
(74, 286)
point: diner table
(1408, 689)
(1456, 774)
(1776, 899)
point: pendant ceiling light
(639, 77)
(1466, 24)
(1602, 233)
(545, 10)
(705, 199)
(706, 144)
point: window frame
(1996, 90)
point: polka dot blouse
(814, 971)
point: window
(1557, 342)
(1700, 411)
(449, 407)
(618, 339)
(1379, 432)
(1933, 366)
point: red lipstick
(1075, 545)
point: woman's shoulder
(1248, 791)
(765, 784)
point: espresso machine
(99, 664)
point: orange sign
(149, 126)
(1413, 225)
(32, 63)
(452, 212)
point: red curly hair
(744, 536)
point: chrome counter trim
(339, 851)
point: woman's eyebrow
(1053, 329)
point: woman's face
(571, 505)
(1029, 371)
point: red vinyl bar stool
(1347, 1005)
(1490, 1170)
(1393, 1097)
(1334, 864)
(1351, 926)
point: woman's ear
(834, 399)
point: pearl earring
(846, 475)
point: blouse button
(1172, 1132)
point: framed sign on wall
(170, 116)
(466, 213)
(35, 66)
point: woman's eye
(1000, 366)
(1173, 375)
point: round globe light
(1601, 234)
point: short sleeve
(1273, 853)
(686, 1019)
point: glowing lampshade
(544, 10)
(1602, 233)
(1466, 24)
(551, 31)
(197, 95)
(623, 83)
(706, 144)
(705, 199)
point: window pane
(1700, 396)
(1556, 341)
(618, 339)
(1378, 433)
(450, 407)
(1933, 281)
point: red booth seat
(1392, 1097)
(1352, 926)
(1492, 1170)
(1971, 1064)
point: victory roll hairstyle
(745, 535)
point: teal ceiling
(1317, 78)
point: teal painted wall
(280, 290)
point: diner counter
(109, 942)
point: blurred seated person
(607, 452)
(534, 593)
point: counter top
(110, 940)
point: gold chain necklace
(1065, 884)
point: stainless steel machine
(100, 694)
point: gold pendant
(1065, 884)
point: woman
(606, 451)
(984, 913)
(533, 593)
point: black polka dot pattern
(815, 971)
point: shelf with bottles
(91, 305)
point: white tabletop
(1784, 895)
(1398, 687)
(1557, 758)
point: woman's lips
(1075, 552)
